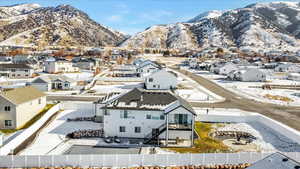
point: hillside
(64, 25)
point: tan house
(18, 106)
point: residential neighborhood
(150, 86)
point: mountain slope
(261, 26)
(62, 26)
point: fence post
(129, 160)
(116, 158)
(227, 158)
(92, 160)
(39, 161)
(25, 161)
(12, 161)
(52, 161)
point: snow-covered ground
(82, 76)
(268, 139)
(104, 89)
(53, 136)
(246, 89)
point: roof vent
(285, 159)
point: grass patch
(205, 143)
(8, 131)
(37, 117)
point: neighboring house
(58, 66)
(227, 68)
(161, 80)
(147, 114)
(147, 67)
(18, 106)
(85, 63)
(16, 71)
(248, 75)
(274, 161)
(126, 70)
(294, 76)
(289, 68)
(53, 82)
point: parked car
(108, 140)
(117, 140)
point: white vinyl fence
(134, 160)
(17, 141)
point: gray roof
(276, 161)
(52, 78)
(140, 99)
(21, 95)
(14, 66)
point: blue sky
(131, 16)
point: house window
(137, 129)
(124, 114)
(150, 79)
(8, 123)
(122, 129)
(26, 70)
(162, 117)
(13, 70)
(66, 85)
(40, 101)
(154, 86)
(148, 116)
(106, 112)
(7, 108)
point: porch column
(193, 127)
(167, 131)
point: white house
(53, 82)
(147, 114)
(248, 75)
(294, 76)
(18, 106)
(126, 70)
(161, 80)
(16, 71)
(147, 67)
(57, 66)
(227, 68)
(289, 68)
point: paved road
(287, 115)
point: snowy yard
(82, 76)
(52, 139)
(267, 139)
(122, 87)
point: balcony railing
(180, 126)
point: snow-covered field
(246, 89)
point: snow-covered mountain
(260, 26)
(33, 25)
